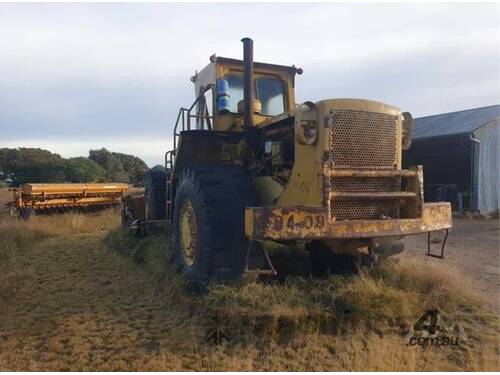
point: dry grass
(5, 197)
(63, 224)
(17, 236)
(133, 190)
(96, 301)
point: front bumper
(312, 223)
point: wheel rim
(188, 232)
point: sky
(75, 77)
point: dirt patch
(472, 249)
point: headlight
(306, 127)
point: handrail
(184, 121)
(184, 116)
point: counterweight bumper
(312, 223)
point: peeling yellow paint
(307, 223)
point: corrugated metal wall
(489, 166)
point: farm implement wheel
(25, 213)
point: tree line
(37, 165)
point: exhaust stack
(248, 94)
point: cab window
(270, 92)
(235, 83)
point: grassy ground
(5, 196)
(78, 294)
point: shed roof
(454, 122)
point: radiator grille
(354, 210)
(363, 141)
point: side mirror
(223, 98)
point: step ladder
(169, 165)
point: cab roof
(258, 65)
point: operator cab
(220, 89)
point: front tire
(209, 238)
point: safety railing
(185, 115)
(182, 123)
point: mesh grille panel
(363, 185)
(353, 210)
(362, 139)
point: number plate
(297, 222)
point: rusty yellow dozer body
(250, 165)
(44, 197)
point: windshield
(269, 90)
(235, 91)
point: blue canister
(223, 103)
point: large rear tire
(209, 236)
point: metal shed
(461, 158)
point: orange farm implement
(56, 197)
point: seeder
(30, 198)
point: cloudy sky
(75, 77)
